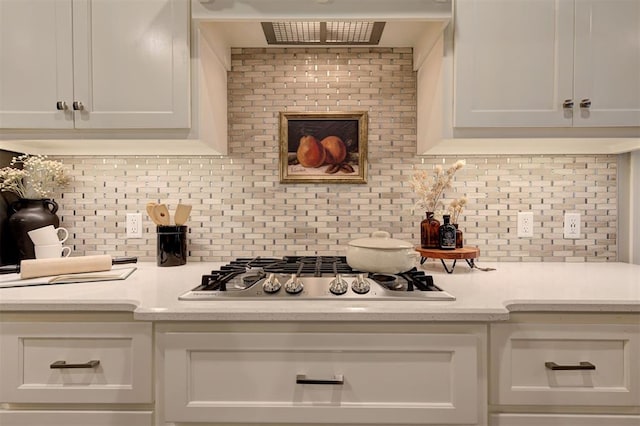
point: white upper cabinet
(95, 64)
(607, 62)
(547, 63)
(36, 63)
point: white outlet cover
(572, 225)
(525, 224)
(134, 225)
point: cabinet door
(301, 378)
(131, 63)
(35, 63)
(513, 63)
(565, 364)
(75, 363)
(607, 62)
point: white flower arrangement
(38, 178)
(431, 188)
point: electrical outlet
(572, 225)
(134, 225)
(525, 224)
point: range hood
(387, 23)
(323, 33)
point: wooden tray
(459, 253)
(465, 253)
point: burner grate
(313, 266)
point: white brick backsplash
(240, 209)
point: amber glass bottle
(430, 232)
(458, 236)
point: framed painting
(323, 147)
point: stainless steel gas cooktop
(311, 278)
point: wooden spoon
(182, 214)
(161, 214)
(150, 206)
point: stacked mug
(47, 242)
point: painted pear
(336, 149)
(310, 152)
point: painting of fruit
(317, 147)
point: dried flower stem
(430, 189)
(456, 207)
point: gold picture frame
(323, 147)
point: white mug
(52, 251)
(48, 235)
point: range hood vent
(323, 33)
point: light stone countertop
(151, 293)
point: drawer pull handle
(302, 379)
(63, 364)
(584, 365)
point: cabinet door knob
(78, 106)
(583, 365)
(585, 103)
(61, 105)
(63, 364)
(567, 104)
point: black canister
(172, 245)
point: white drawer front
(520, 374)
(563, 420)
(76, 418)
(388, 379)
(31, 350)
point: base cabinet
(565, 370)
(565, 364)
(58, 371)
(327, 378)
(75, 363)
(75, 418)
(563, 420)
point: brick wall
(241, 209)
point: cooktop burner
(311, 277)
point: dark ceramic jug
(8, 249)
(30, 214)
